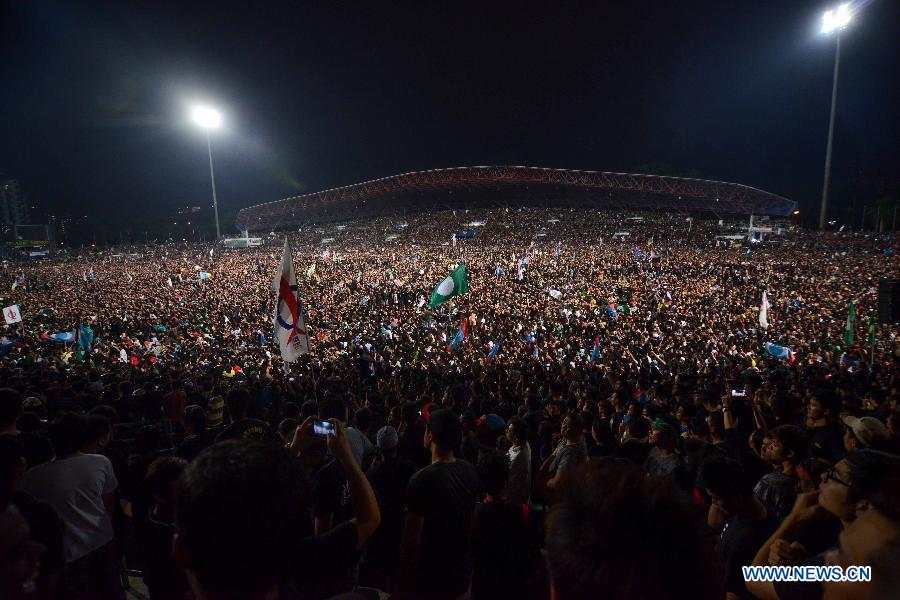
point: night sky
(95, 96)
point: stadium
(493, 187)
(464, 383)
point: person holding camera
(243, 526)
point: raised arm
(362, 496)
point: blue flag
(6, 345)
(493, 353)
(780, 352)
(261, 338)
(65, 337)
(457, 340)
(596, 353)
(85, 337)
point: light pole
(833, 21)
(208, 119)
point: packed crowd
(610, 425)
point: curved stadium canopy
(494, 187)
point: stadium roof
(493, 187)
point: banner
(12, 314)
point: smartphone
(738, 393)
(322, 428)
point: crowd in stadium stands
(630, 437)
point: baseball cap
(32, 402)
(426, 411)
(492, 422)
(387, 438)
(870, 432)
(661, 426)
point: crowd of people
(600, 415)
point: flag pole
(312, 371)
(873, 328)
(312, 354)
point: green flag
(850, 327)
(452, 285)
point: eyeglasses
(831, 475)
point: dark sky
(95, 94)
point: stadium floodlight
(208, 119)
(833, 21)
(836, 19)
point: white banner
(12, 314)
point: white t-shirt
(75, 487)
(520, 473)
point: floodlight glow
(206, 117)
(836, 19)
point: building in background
(19, 237)
(13, 203)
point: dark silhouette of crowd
(611, 426)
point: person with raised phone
(243, 525)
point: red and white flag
(290, 329)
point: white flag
(12, 314)
(764, 312)
(453, 239)
(290, 328)
(210, 252)
(555, 294)
(128, 275)
(170, 282)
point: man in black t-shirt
(44, 524)
(242, 427)
(389, 477)
(744, 522)
(331, 495)
(435, 555)
(826, 434)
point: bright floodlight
(836, 19)
(208, 118)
